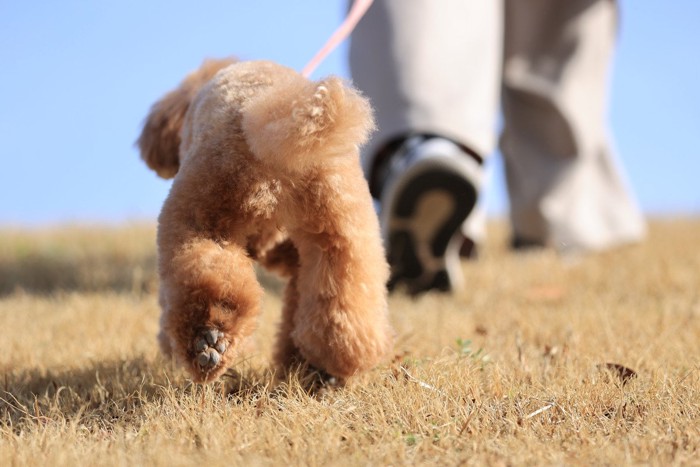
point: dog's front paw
(210, 345)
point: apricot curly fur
(159, 142)
(266, 168)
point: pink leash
(357, 11)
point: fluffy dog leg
(341, 323)
(341, 329)
(210, 300)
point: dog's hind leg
(341, 323)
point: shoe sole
(427, 213)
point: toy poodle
(266, 168)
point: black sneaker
(430, 188)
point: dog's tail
(300, 124)
(159, 142)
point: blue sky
(78, 77)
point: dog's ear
(159, 142)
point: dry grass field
(543, 360)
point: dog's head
(159, 142)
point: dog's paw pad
(211, 335)
(209, 348)
(201, 345)
(203, 359)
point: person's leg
(430, 67)
(432, 72)
(565, 186)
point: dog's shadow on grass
(121, 391)
(105, 389)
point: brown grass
(520, 369)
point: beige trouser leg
(564, 183)
(434, 66)
(431, 66)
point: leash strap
(357, 11)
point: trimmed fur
(268, 169)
